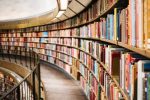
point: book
(133, 18)
(139, 23)
(143, 66)
(146, 23)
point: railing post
(34, 58)
(30, 58)
(39, 79)
(18, 93)
(2, 54)
(15, 51)
(9, 53)
(20, 55)
(33, 85)
(26, 57)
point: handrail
(29, 87)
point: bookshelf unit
(102, 47)
(7, 82)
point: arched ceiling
(23, 9)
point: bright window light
(59, 13)
(63, 4)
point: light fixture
(62, 7)
(63, 4)
(59, 13)
(54, 19)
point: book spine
(115, 24)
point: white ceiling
(21, 9)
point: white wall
(15, 9)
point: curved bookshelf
(104, 66)
(92, 20)
(140, 51)
(98, 39)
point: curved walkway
(59, 86)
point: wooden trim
(72, 10)
(80, 3)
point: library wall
(105, 47)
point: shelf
(80, 62)
(140, 51)
(92, 20)
(57, 58)
(109, 41)
(104, 66)
(134, 49)
(85, 79)
(115, 81)
(143, 52)
(109, 9)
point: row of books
(14, 43)
(115, 27)
(96, 94)
(111, 90)
(19, 39)
(92, 12)
(84, 70)
(112, 61)
(6, 83)
(19, 35)
(64, 57)
(63, 65)
(124, 66)
(101, 75)
(112, 54)
(41, 47)
(57, 62)
(135, 79)
(90, 63)
(129, 69)
(67, 42)
(91, 47)
(91, 79)
(13, 48)
(22, 44)
(118, 27)
(113, 58)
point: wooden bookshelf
(92, 20)
(134, 49)
(60, 26)
(115, 81)
(57, 58)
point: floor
(60, 87)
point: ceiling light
(54, 19)
(63, 4)
(59, 13)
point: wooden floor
(59, 86)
